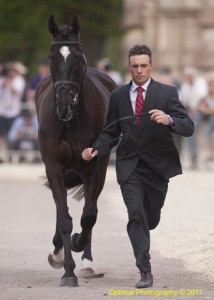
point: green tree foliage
(24, 26)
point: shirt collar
(144, 86)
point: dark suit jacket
(150, 141)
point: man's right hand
(89, 153)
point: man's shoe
(145, 281)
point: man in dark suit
(146, 156)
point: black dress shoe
(145, 281)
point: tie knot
(139, 89)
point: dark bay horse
(71, 107)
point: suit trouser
(144, 203)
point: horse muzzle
(64, 114)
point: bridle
(68, 84)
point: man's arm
(103, 143)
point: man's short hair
(140, 49)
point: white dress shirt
(133, 92)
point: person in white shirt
(206, 107)
(23, 134)
(12, 87)
(143, 114)
(193, 89)
(105, 65)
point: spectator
(23, 133)
(207, 109)
(105, 65)
(166, 77)
(12, 86)
(193, 90)
(42, 71)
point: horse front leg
(89, 216)
(93, 185)
(86, 261)
(64, 226)
(56, 258)
(87, 270)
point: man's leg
(137, 227)
(153, 202)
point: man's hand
(159, 116)
(89, 154)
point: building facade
(179, 32)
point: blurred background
(179, 32)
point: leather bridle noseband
(68, 84)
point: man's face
(140, 68)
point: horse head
(67, 66)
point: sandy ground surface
(182, 247)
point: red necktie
(139, 103)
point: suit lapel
(125, 102)
(151, 96)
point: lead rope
(123, 135)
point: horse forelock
(66, 32)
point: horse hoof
(89, 273)
(69, 281)
(55, 264)
(74, 246)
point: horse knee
(65, 225)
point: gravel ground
(181, 247)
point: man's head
(140, 63)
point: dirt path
(182, 245)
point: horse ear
(52, 26)
(75, 25)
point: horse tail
(74, 182)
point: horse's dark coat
(71, 107)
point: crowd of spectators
(18, 122)
(197, 95)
